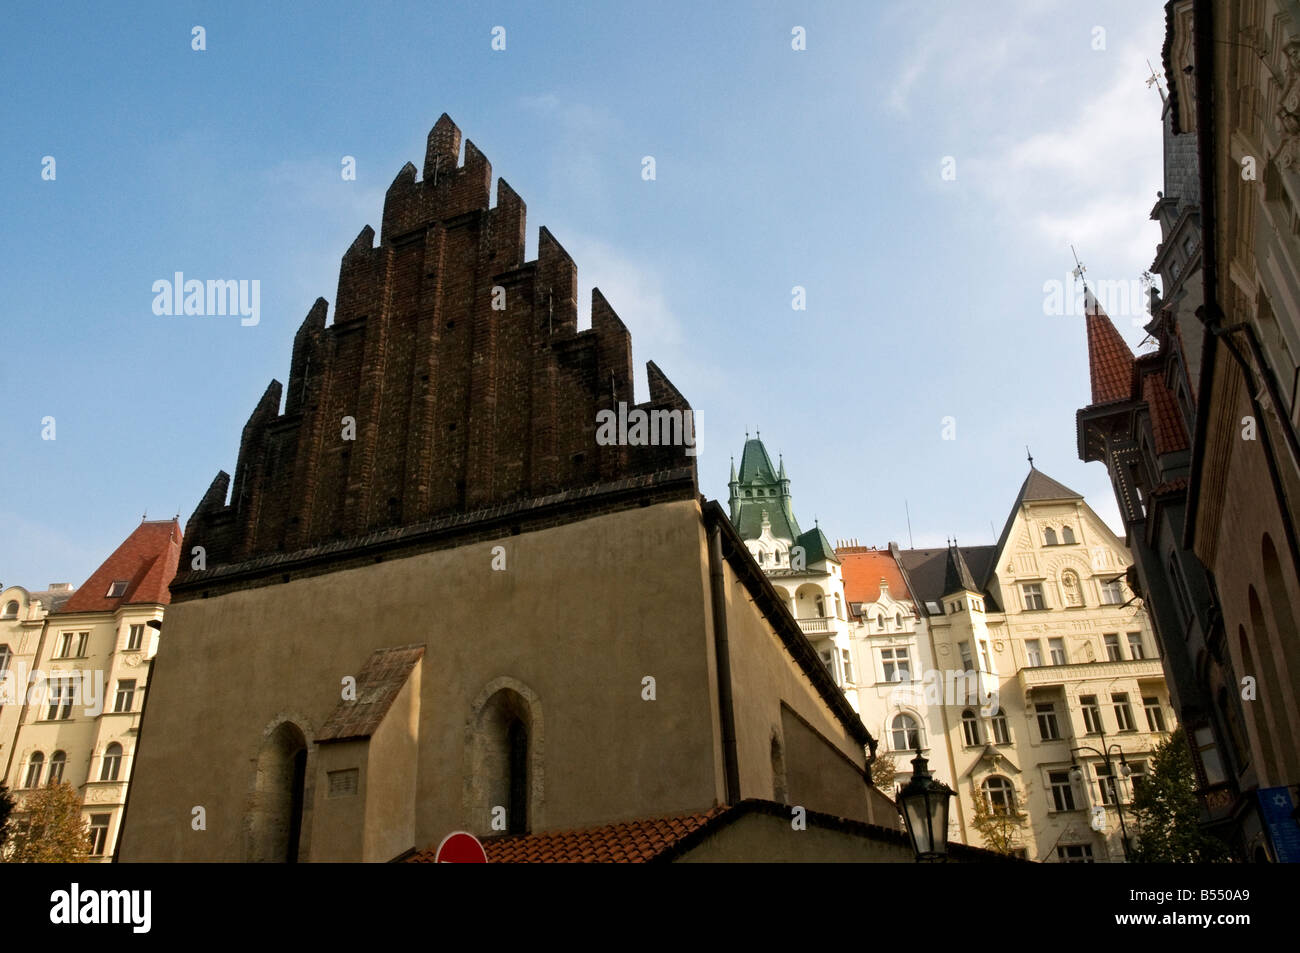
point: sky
(921, 178)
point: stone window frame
(474, 795)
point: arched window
(1049, 536)
(1067, 534)
(906, 733)
(11, 610)
(57, 761)
(35, 765)
(970, 728)
(503, 768)
(273, 829)
(1001, 731)
(999, 795)
(112, 762)
(898, 620)
(880, 621)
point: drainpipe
(722, 647)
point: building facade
(85, 681)
(1047, 675)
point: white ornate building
(78, 686)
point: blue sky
(820, 168)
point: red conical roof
(1110, 361)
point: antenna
(910, 544)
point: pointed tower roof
(1110, 360)
(755, 464)
(1037, 488)
(957, 575)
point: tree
(49, 828)
(1167, 813)
(1000, 826)
(883, 772)
(6, 808)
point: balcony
(1043, 675)
(817, 626)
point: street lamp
(924, 806)
(1076, 773)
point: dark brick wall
(458, 407)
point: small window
(98, 834)
(1048, 730)
(5, 656)
(61, 691)
(57, 761)
(125, 700)
(1091, 714)
(1057, 649)
(1033, 593)
(970, 727)
(1001, 731)
(1067, 535)
(1123, 711)
(1155, 713)
(11, 610)
(880, 622)
(83, 642)
(966, 663)
(905, 734)
(1033, 652)
(1062, 790)
(65, 645)
(1105, 783)
(112, 762)
(135, 638)
(897, 665)
(35, 766)
(898, 620)
(1075, 854)
(1049, 536)
(117, 589)
(1112, 593)
(848, 666)
(1135, 645)
(1113, 652)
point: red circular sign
(460, 848)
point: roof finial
(1079, 269)
(1030, 456)
(145, 517)
(1154, 80)
(746, 433)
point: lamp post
(1077, 774)
(924, 804)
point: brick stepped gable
(458, 407)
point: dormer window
(118, 589)
(11, 610)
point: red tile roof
(864, 568)
(1110, 361)
(631, 842)
(1166, 420)
(146, 561)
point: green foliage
(49, 829)
(1167, 812)
(883, 772)
(1001, 827)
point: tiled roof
(146, 562)
(927, 572)
(816, 547)
(1039, 486)
(631, 842)
(755, 464)
(53, 599)
(378, 683)
(750, 523)
(864, 568)
(1110, 361)
(1166, 421)
(957, 574)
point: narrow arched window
(35, 765)
(112, 762)
(906, 733)
(517, 811)
(970, 728)
(274, 825)
(57, 761)
(1049, 536)
(1067, 534)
